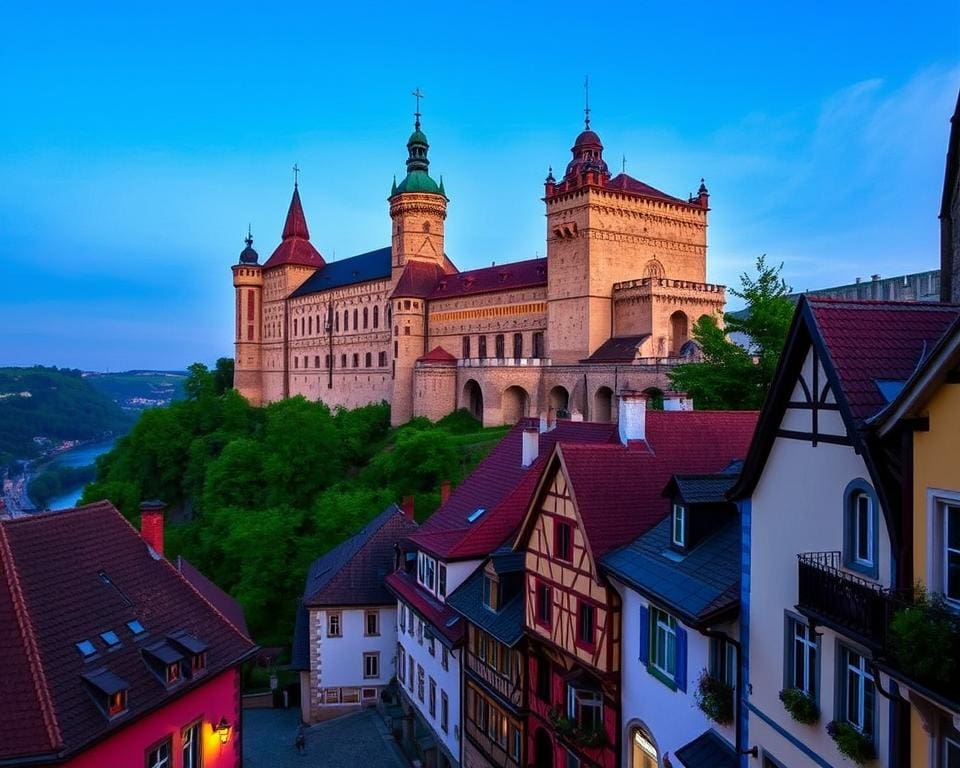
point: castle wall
(434, 391)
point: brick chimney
(632, 415)
(677, 401)
(531, 446)
(407, 506)
(444, 492)
(151, 524)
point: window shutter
(680, 673)
(644, 635)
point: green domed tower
(418, 207)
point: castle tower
(248, 286)
(603, 230)
(293, 261)
(418, 208)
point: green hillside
(256, 494)
(55, 404)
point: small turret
(248, 255)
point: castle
(611, 307)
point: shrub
(801, 707)
(715, 698)
(851, 742)
(923, 640)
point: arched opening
(514, 404)
(654, 398)
(559, 402)
(542, 749)
(473, 400)
(679, 332)
(643, 752)
(603, 405)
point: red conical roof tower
(295, 247)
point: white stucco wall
(798, 506)
(671, 717)
(341, 658)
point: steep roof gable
(295, 246)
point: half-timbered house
(590, 500)
(824, 537)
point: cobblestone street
(359, 739)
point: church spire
(418, 164)
(296, 224)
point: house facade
(823, 538)
(345, 639)
(115, 657)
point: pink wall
(219, 697)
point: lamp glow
(223, 730)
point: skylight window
(476, 514)
(86, 648)
(110, 638)
(135, 627)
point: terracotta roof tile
(295, 246)
(437, 355)
(443, 618)
(419, 279)
(629, 184)
(501, 277)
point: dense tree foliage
(256, 494)
(54, 480)
(55, 403)
(731, 375)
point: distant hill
(43, 406)
(137, 390)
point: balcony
(858, 608)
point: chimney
(444, 492)
(151, 524)
(633, 416)
(677, 401)
(531, 446)
(407, 506)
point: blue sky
(138, 140)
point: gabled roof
(618, 349)
(438, 355)
(353, 573)
(617, 489)
(67, 577)
(440, 616)
(506, 624)
(700, 489)
(372, 265)
(419, 279)
(295, 246)
(500, 277)
(698, 586)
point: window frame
(427, 565)
(166, 741)
(196, 727)
(432, 698)
(666, 674)
(331, 615)
(444, 711)
(375, 615)
(491, 593)
(856, 489)
(842, 703)
(678, 514)
(580, 700)
(793, 621)
(939, 503)
(563, 535)
(369, 656)
(591, 607)
(543, 607)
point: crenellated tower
(248, 361)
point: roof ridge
(41, 686)
(57, 514)
(181, 558)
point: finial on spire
(296, 174)
(586, 102)
(417, 94)
(623, 163)
(249, 238)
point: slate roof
(372, 265)
(708, 750)
(618, 489)
(695, 586)
(500, 277)
(619, 349)
(869, 341)
(700, 489)
(506, 624)
(68, 576)
(295, 246)
(353, 573)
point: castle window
(343, 361)
(368, 359)
(466, 347)
(310, 325)
(406, 330)
(316, 361)
(337, 322)
(517, 346)
(356, 325)
(249, 333)
(250, 305)
(389, 314)
(382, 359)
(406, 303)
(296, 361)
(499, 347)
(306, 361)
(346, 321)
(395, 348)
(326, 361)
(356, 359)
(481, 347)
(538, 344)
(376, 317)
(365, 315)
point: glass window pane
(951, 756)
(953, 527)
(953, 576)
(863, 528)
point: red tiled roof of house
(443, 618)
(69, 576)
(617, 489)
(295, 246)
(629, 184)
(437, 355)
(502, 487)
(231, 610)
(501, 277)
(870, 341)
(418, 280)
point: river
(81, 456)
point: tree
(731, 376)
(223, 375)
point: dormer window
(678, 528)
(173, 673)
(165, 661)
(192, 648)
(108, 690)
(491, 592)
(198, 663)
(116, 703)
(426, 571)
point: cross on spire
(586, 102)
(296, 174)
(623, 163)
(417, 94)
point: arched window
(310, 325)
(517, 346)
(498, 346)
(365, 317)
(336, 318)
(376, 317)
(643, 752)
(346, 321)
(861, 535)
(356, 325)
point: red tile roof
(627, 183)
(501, 277)
(418, 280)
(295, 246)
(229, 608)
(437, 355)
(617, 488)
(867, 341)
(67, 577)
